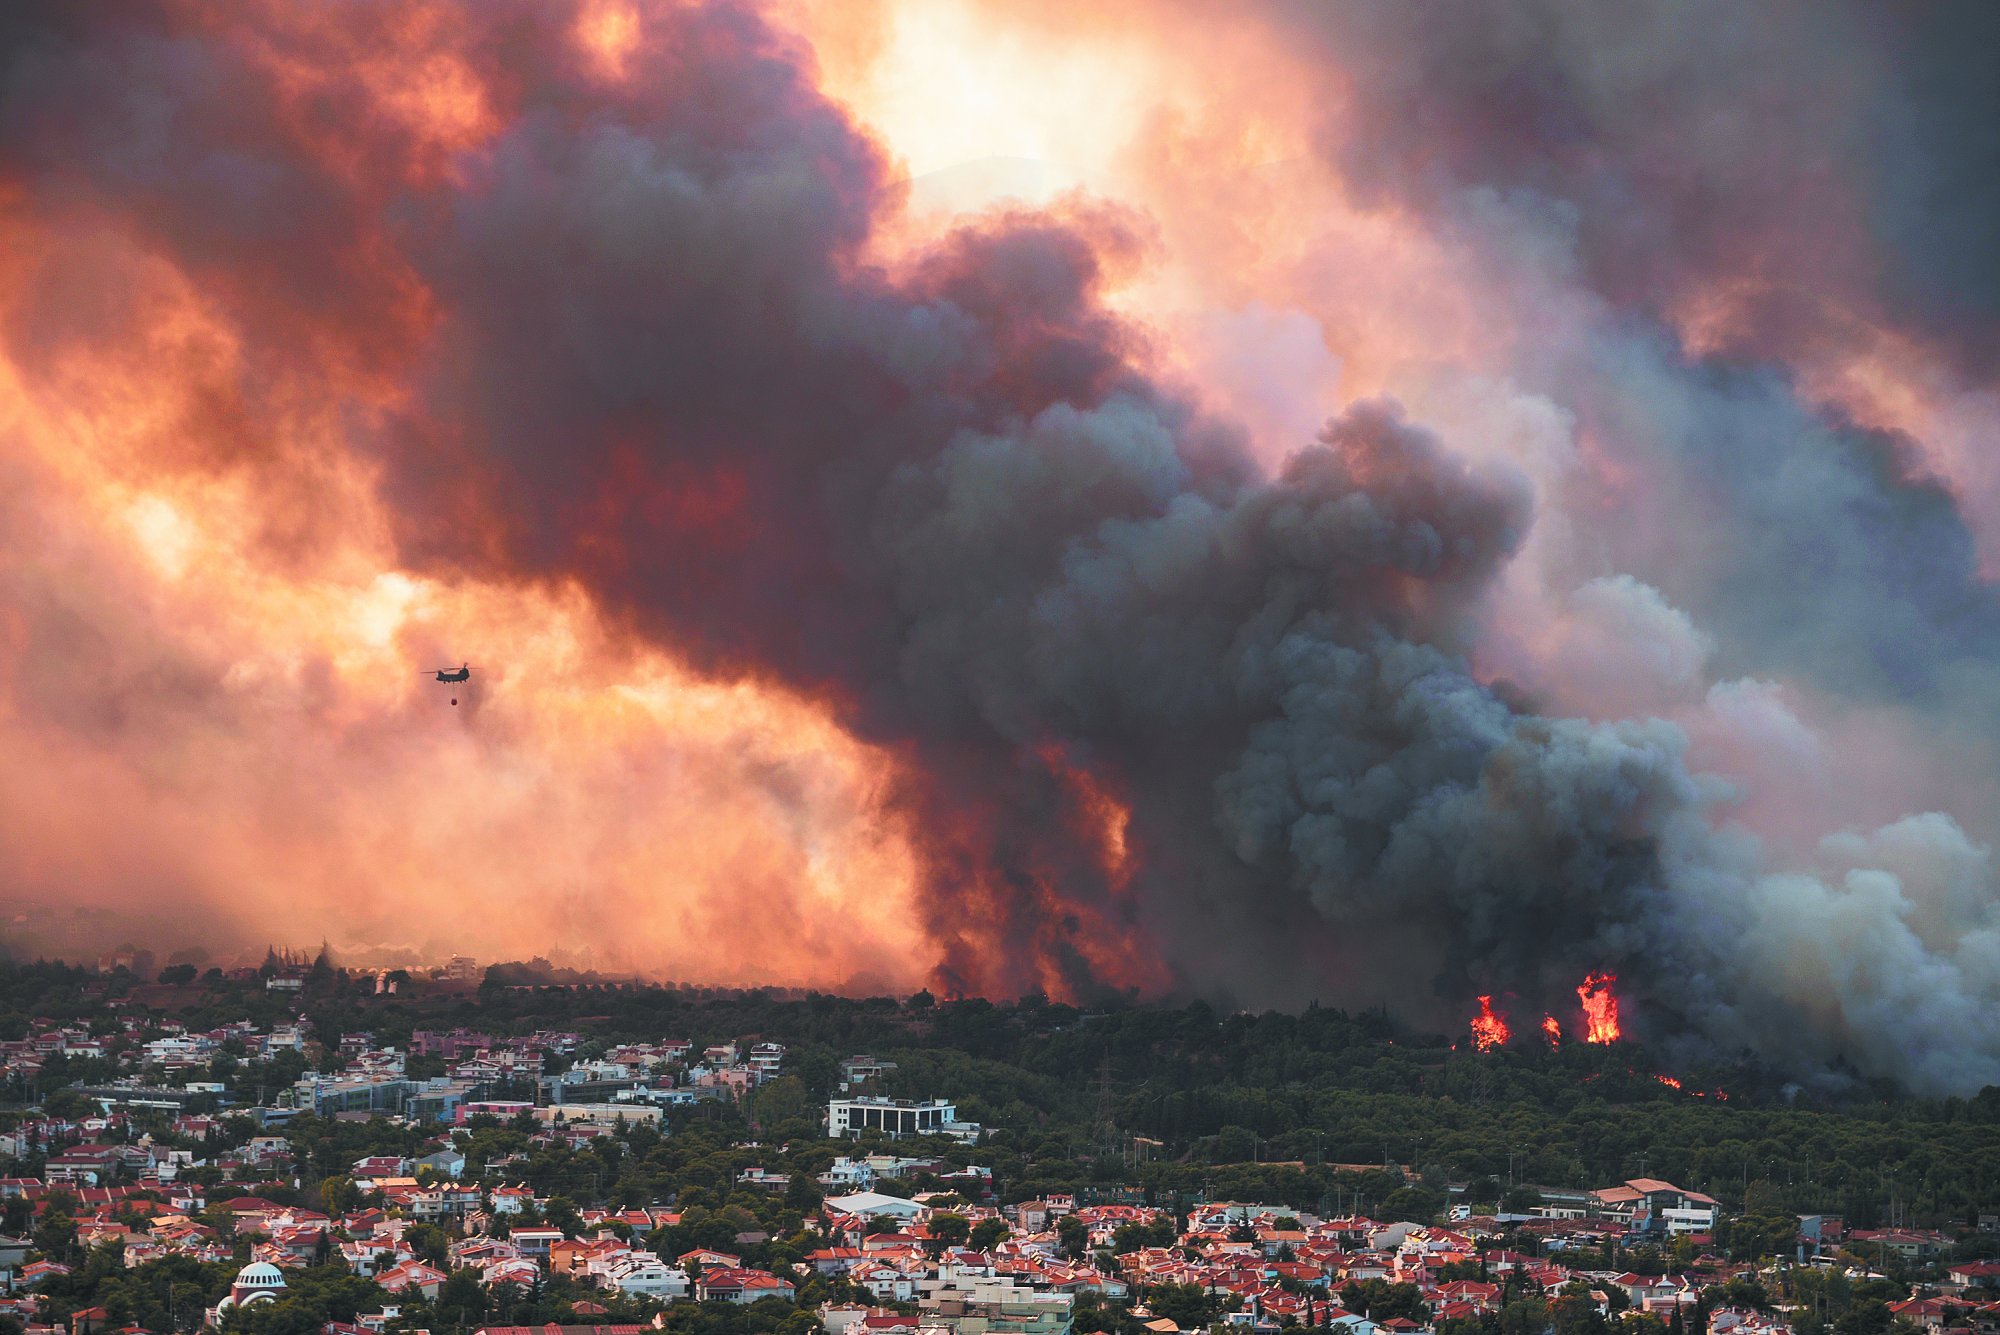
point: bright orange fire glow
(338, 773)
(1097, 809)
(1600, 1008)
(1105, 932)
(1552, 1029)
(1489, 1030)
(1668, 1081)
(1113, 819)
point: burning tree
(1600, 1008)
(1489, 1030)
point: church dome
(260, 1275)
(258, 1282)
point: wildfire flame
(1099, 809)
(1668, 1081)
(1095, 810)
(1489, 1030)
(1600, 1008)
(1552, 1029)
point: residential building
(603, 1114)
(861, 1068)
(640, 1274)
(741, 1286)
(1652, 1206)
(971, 1302)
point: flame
(1552, 1029)
(1600, 1008)
(1668, 1081)
(1104, 930)
(1102, 811)
(1489, 1030)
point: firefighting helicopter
(460, 673)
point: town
(283, 1173)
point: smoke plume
(865, 590)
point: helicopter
(462, 672)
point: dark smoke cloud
(656, 358)
(950, 501)
(1686, 143)
(1662, 152)
(1937, 202)
(1814, 170)
(1823, 560)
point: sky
(1276, 503)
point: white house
(851, 1174)
(642, 1274)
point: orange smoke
(1489, 1030)
(1552, 1029)
(212, 718)
(1600, 1008)
(211, 628)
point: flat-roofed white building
(894, 1117)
